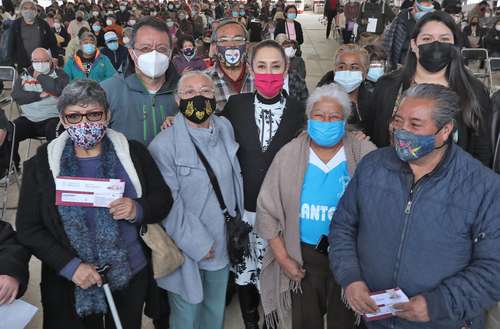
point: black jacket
(49, 85)
(14, 257)
(382, 106)
(47, 41)
(492, 42)
(118, 58)
(480, 33)
(41, 230)
(281, 28)
(361, 116)
(240, 111)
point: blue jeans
(209, 314)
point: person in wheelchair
(36, 91)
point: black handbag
(238, 240)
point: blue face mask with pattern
(326, 133)
(410, 146)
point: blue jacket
(439, 237)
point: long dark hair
(459, 78)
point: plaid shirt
(223, 91)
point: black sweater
(14, 257)
(40, 227)
(240, 111)
(386, 91)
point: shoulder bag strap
(213, 181)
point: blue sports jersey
(324, 185)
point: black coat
(40, 228)
(384, 98)
(281, 28)
(47, 41)
(14, 257)
(240, 111)
(118, 58)
(361, 116)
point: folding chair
(8, 74)
(10, 170)
(493, 66)
(41, 140)
(477, 55)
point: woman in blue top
(294, 209)
(88, 62)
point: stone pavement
(318, 54)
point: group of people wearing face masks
(239, 138)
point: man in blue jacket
(423, 216)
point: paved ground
(318, 54)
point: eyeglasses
(239, 40)
(190, 93)
(74, 118)
(161, 49)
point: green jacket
(100, 70)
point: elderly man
(421, 216)
(197, 290)
(230, 73)
(14, 260)
(141, 102)
(30, 32)
(36, 91)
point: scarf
(104, 247)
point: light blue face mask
(235, 14)
(291, 16)
(113, 45)
(326, 133)
(374, 73)
(88, 48)
(423, 10)
(349, 80)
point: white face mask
(290, 52)
(126, 40)
(57, 26)
(153, 64)
(109, 22)
(497, 27)
(42, 67)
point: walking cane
(109, 297)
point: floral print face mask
(86, 135)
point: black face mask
(435, 56)
(197, 109)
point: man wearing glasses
(229, 74)
(140, 102)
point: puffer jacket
(439, 237)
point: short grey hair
(332, 91)
(230, 21)
(446, 101)
(82, 92)
(190, 74)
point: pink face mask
(269, 84)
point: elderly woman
(197, 290)
(88, 62)
(72, 240)
(350, 71)
(294, 209)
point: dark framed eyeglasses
(74, 118)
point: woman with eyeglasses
(184, 152)
(73, 237)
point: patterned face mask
(87, 135)
(197, 109)
(410, 146)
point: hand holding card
(385, 301)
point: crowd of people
(302, 203)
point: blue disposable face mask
(291, 16)
(235, 14)
(374, 73)
(349, 80)
(326, 133)
(410, 146)
(113, 45)
(425, 8)
(88, 48)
